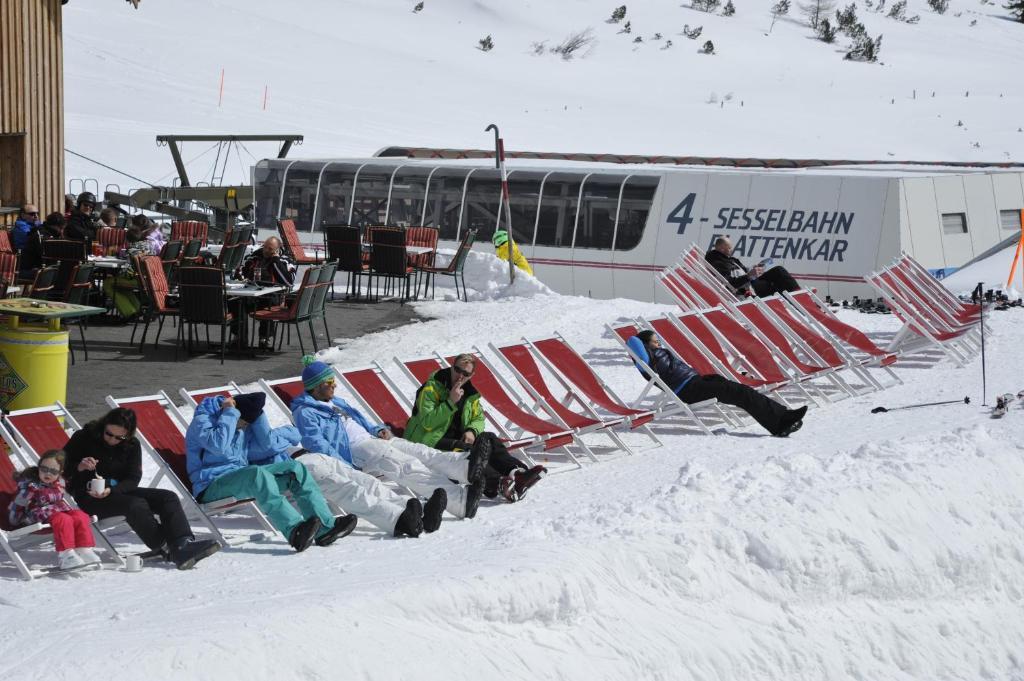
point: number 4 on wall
(680, 215)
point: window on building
(558, 209)
(954, 223)
(407, 192)
(371, 196)
(336, 193)
(267, 181)
(1010, 219)
(637, 198)
(300, 193)
(595, 227)
(524, 195)
(444, 201)
(483, 201)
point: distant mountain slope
(355, 76)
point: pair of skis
(1003, 403)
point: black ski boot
(186, 551)
(473, 494)
(478, 458)
(343, 526)
(302, 536)
(433, 510)
(791, 422)
(410, 523)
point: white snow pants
(419, 467)
(355, 492)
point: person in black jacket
(692, 387)
(108, 449)
(32, 254)
(82, 224)
(763, 282)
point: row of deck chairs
(932, 316)
(560, 401)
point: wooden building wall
(31, 104)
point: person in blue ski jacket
(28, 219)
(231, 451)
(330, 425)
(691, 387)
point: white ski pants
(420, 468)
(355, 492)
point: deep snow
(864, 547)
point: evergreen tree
(846, 18)
(779, 9)
(418, 7)
(825, 32)
(729, 9)
(486, 44)
(939, 6)
(709, 48)
(816, 10)
(1016, 8)
(618, 14)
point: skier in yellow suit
(500, 241)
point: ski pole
(882, 410)
(499, 158)
(981, 320)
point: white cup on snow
(133, 563)
(97, 485)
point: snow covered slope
(881, 547)
(358, 75)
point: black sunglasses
(122, 438)
(35, 212)
(47, 469)
(462, 372)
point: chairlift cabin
(604, 229)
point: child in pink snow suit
(40, 499)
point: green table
(49, 310)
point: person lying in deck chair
(691, 387)
(107, 450)
(231, 451)
(762, 282)
(330, 425)
(447, 415)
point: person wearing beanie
(329, 425)
(501, 245)
(691, 387)
(231, 451)
(447, 414)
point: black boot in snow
(410, 523)
(478, 458)
(473, 494)
(343, 526)
(303, 534)
(186, 551)
(433, 510)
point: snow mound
(992, 271)
(487, 279)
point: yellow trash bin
(33, 367)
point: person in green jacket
(447, 415)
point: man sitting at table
(268, 265)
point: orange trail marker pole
(220, 97)
(265, 90)
(1016, 256)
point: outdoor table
(34, 360)
(108, 262)
(215, 249)
(247, 295)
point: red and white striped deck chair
(921, 327)
(665, 401)
(161, 430)
(194, 397)
(790, 347)
(377, 395)
(522, 428)
(816, 312)
(521, 362)
(934, 312)
(572, 370)
(822, 343)
(962, 309)
(682, 295)
(693, 260)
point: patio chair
(319, 306)
(389, 260)
(154, 286)
(112, 239)
(170, 255)
(8, 272)
(44, 284)
(65, 254)
(230, 257)
(161, 430)
(187, 230)
(295, 312)
(345, 248)
(454, 268)
(291, 244)
(78, 294)
(190, 253)
(202, 300)
(5, 242)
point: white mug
(133, 563)
(97, 485)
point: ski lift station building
(604, 229)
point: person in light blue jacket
(231, 451)
(330, 425)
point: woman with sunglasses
(106, 449)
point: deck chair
(954, 316)
(520, 423)
(161, 430)
(521, 362)
(664, 401)
(194, 397)
(282, 391)
(377, 395)
(807, 304)
(571, 369)
(916, 270)
(823, 343)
